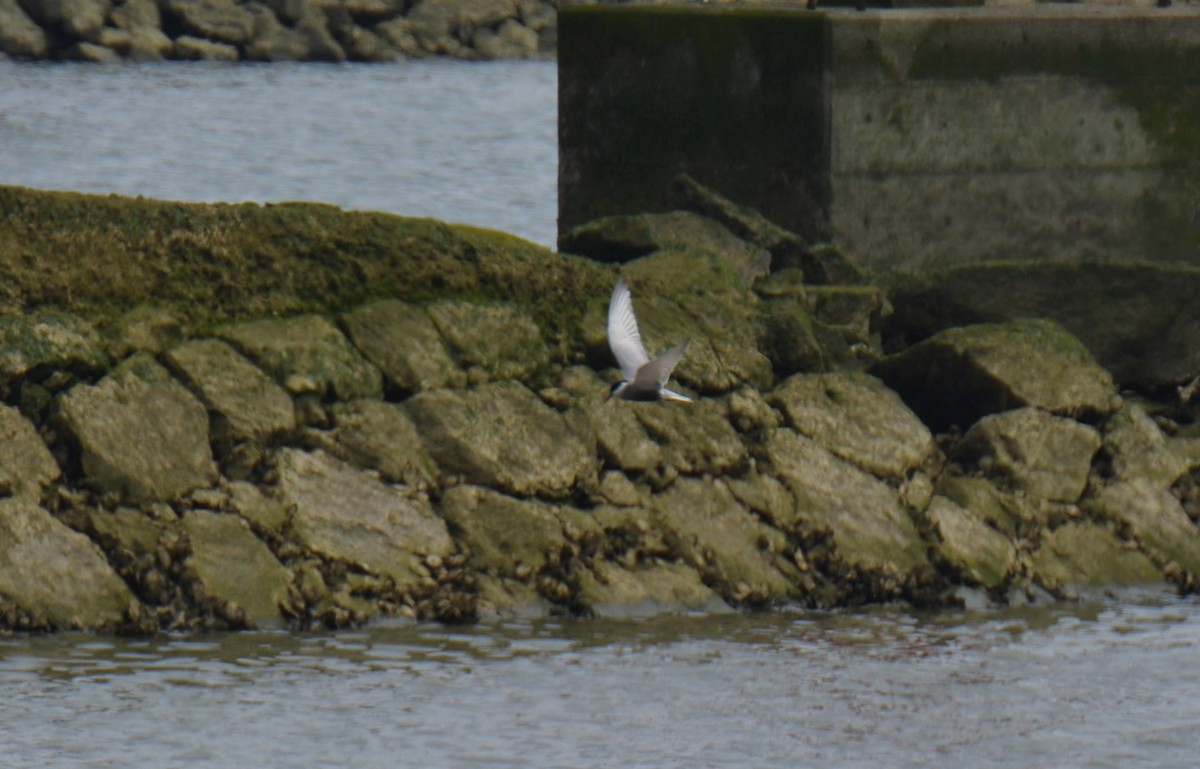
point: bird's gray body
(645, 379)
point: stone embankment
(228, 416)
(276, 30)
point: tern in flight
(645, 379)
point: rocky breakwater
(276, 30)
(226, 416)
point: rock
(627, 237)
(507, 537)
(20, 36)
(716, 535)
(433, 21)
(512, 40)
(537, 14)
(346, 515)
(1088, 554)
(1138, 449)
(191, 48)
(398, 33)
(141, 434)
(145, 328)
(1002, 510)
(869, 528)
(404, 343)
(1145, 330)
(501, 436)
(616, 489)
(222, 21)
(766, 497)
(504, 598)
(44, 341)
(56, 577)
(380, 436)
(77, 19)
(265, 515)
(750, 413)
(246, 405)
(609, 590)
(96, 53)
(309, 38)
(359, 44)
(1042, 455)
(1156, 520)
(788, 336)
(26, 465)
(234, 569)
(500, 339)
(982, 555)
(307, 354)
(858, 419)
(622, 440)
(695, 438)
(132, 15)
(961, 374)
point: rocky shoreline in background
(276, 30)
(231, 416)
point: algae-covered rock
(56, 577)
(141, 434)
(1139, 449)
(862, 515)
(233, 568)
(379, 436)
(857, 418)
(620, 437)
(961, 374)
(48, 340)
(20, 36)
(145, 328)
(266, 515)
(718, 536)
(696, 438)
(345, 514)
(982, 555)
(500, 435)
(1088, 554)
(402, 340)
(245, 403)
(610, 590)
(500, 339)
(1002, 510)
(509, 537)
(1043, 455)
(26, 465)
(307, 354)
(1155, 518)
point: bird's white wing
(623, 336)
(658, 371)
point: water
(473, 143)
(1113, 683)
(1109, 684)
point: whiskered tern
(645, 379)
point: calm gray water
(1114, 683)
(473, 143)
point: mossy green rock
(55, 576)
(26, 465)
(961, 374)
(345, 514)
(504, 533)
(266, 515)
(984, 556)
(500, 339)
(307, 354)
(1156, 519)
(696, 438)
(609, 590)
(1139, 449)
(1089, 555)
(857, 418)
(231, 566)
(1002, 510)
(141, 434)
(1040, 454)
(620, 436)
(381, 436)
(869, 527)
(245, 403)
(48, 340)
(502, 436)
(402, 340)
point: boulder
(77, 19)
(99, 53)
(26, 466)
(44, 341)
(538, 15)
(868, 527)
(55, 577)
(142, 20)
(192, 48)
(1016, 516)
(222, 21)
(141, 434)
(961, 374)
(432, 21)
(1155, 519)
(358, 43)
(266, 515)
(507, 537)
(345, 514)
(402, 340)
(245, 403)
(398, 33)
(857, 418)
(20, 36)
(233, 571)
(309, 38)
(1083, 554)
(307, 354)
(512, 40)
(610, 590)
(379, 436)
(695, 438)
(750, 562)
(1042, 455)
(145, 328)
(976, 551)
(620, 437)
(1137, 448)
(500, 435)
(499, 339)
